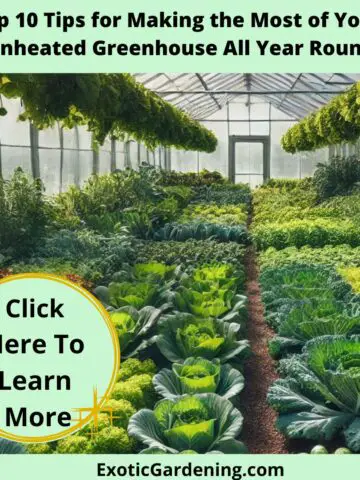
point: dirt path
(259, 432)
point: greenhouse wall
(243, 119)
(64, 157)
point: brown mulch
(259, 432)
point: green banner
(232, 467)
(179, 36)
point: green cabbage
(302, 325)
(207, 300)
(135, 328)
(182, 336)
(153, 272)
(202, 423)
(320, 397)
(134, 294)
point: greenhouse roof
(201, 95)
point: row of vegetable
(310, 282)
(165, 258)
(164, 253)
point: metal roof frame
(204, 94)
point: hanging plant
(336, 123)
(109, 105)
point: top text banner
(180, 36)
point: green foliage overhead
(203, 423)
(335, 123)
(109, 105)
(319, 397)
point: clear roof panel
(201, 95)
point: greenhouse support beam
(61, 171)
(113, 155)
(204, 84)
(252, 92)
(34, 149)
(246, 120)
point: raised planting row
(303, 302)
(292, 216)
(168, 266)
(311, 301)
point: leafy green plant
(203, 423)
(339, 255)
(224, 194)
(202, 231)
(10, 448)
(206, 300)
(352, 276)
(302, 301)
(198, 375)
(315, 233)
(109, 105)
(336, 177)
(335, 123)
(112, 440)
(287, 184)
(191, 179)
(302, 325)
(135, 294)
(220, 275)
(319, 398)
(182, 194)
(135, 328)
(190, 252)
(153, 272)
(133, 366)
(182, 335)
(91, 255)
(225, 215)
(23, 214)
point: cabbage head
(302, 324)
(320, 397)
(154, 272)
(182, 335)
(135, 328)
(205, 300)
(202, 423)
(134, 294)
(198, 375)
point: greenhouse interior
(216, 217)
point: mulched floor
(259, 432)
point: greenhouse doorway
(249, 159)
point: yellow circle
(115, 341)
